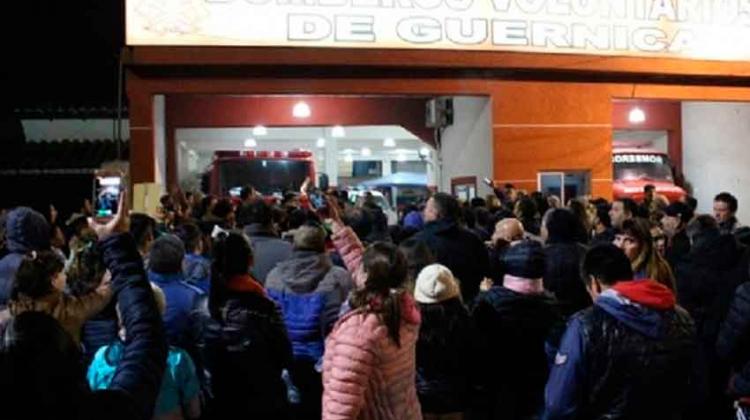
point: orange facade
(551, 123)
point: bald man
(508, 230)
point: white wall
(716, 146)
(467, 144)
(94, 129)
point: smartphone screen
(106, 195)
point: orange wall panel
(551, 103)
(521, 153)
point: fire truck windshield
(267, 176)
(632, 167)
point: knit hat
(166, 255)
(435, 284)
(414, 220)
(525, 260)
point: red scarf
(245, 283)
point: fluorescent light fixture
(389, 142)
(366, 151)
(251, 143)
(424, 152)
(301, 110)
(338, 131)
(260, 130)
(109, 181)
(636, 116)
(321, 143)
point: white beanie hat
(435, 283)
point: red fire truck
(636, 167)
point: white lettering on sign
(698, 29)
(638, 158)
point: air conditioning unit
(439, 113)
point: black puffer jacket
(245, 351)
(516, 328)
(733, 344)
(706, 281)
(445, 369)
(631, 375)
(562, 276)
(460, 250)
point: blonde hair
(160, 298)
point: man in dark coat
(25, 230)
(453, 245)
(517, 319)
(706, 281)
(268, 248)
(562, 276)
(733, 346)
(626, 357)
(676, 218)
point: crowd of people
(513, 306)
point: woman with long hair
(246, 344)
(369, 363)
(635, 239)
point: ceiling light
(301, 110)
(389, 142)
(366, 151)
(636, 116)
(260, 130)
(251, 143)
(424, 152)
(348, 158)
(338, 131)
(401, 157)
(321, 143)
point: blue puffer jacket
(197, 271)
(25, 230)
(310, 290)
(185, 304)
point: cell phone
(107, 189)
(489, 182)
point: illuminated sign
(638, 158)
(699, 29)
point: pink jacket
(365, 375)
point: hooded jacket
(310, 291)
(268, 250)
(185, 305)
(365, 374)
(627, 357)
(246, 349)
(517, 328)
(25, 230)
(460, 250)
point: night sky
(61, 52)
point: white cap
(435, 283)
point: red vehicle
(636, 167)
(271, 173)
